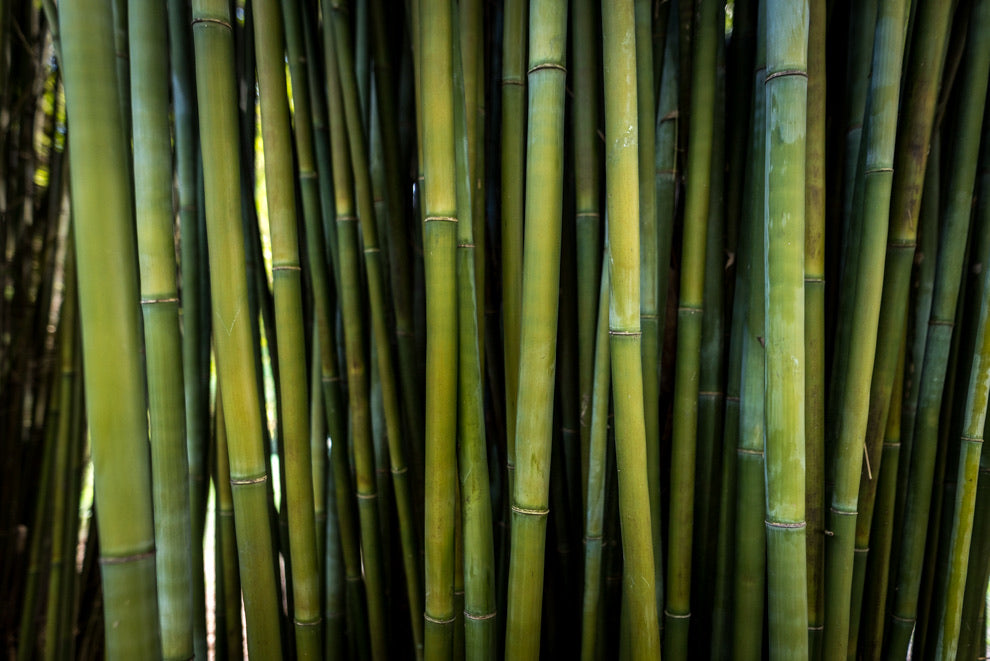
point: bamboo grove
(456, 329)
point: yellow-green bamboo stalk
(514, 160)
(814, 324)
(287, 283)
(216, 93)
(439, 245)
(689, 316)
(194, 288)
(478, 554)
(786, 117)
(652, 332)
(228, 585)
(586, 211)
(623, 206)
(593, 609)
(160, 305)
(108, 297)
(56, 469)
(538, 330)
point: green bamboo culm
(786, 112)
(480, 630)
(513, 156)
(160, 305)
(109, 315)
(689, 318)
(814, 324)
(194, 287)
(538, 330)
(871, 216)
(217, 99)
(622, 206)
(749, 578)
(291, 349)
(593, 609)
(440, 261)
(587, 215)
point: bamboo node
(785, 72)
(400, 471)
(372, 250)
(249, 480)
(445, 219)
(308, 174)
(485, 616)
(305, 623)
(970, 439)
(465, 245)
(528, 512)
(513, 81)
(616, 333)
(841, 512)
(907, 620)
(676, 616)
(287, 267)
(592, 538)
(120, 560)
(346, 219)
(587, 214)
(169, 299)
(434, 620)
(547, 65)
(786, 525)
(367, 496)
(218, 21)
(878, 170)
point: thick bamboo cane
(786, 117)
(162, 341)
(216, 93)
(538, 330)
(108, 297)
(622, 188)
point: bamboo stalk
(287, 282)
(593, 610)
(786, 108)
(538, 330)
(750, 539)
(689, 318)
(193, 287)
(514, 160)
(480, 630)
(622, 186)
(233, 335)
(108, 295)
(439, 244)
(160, 307)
